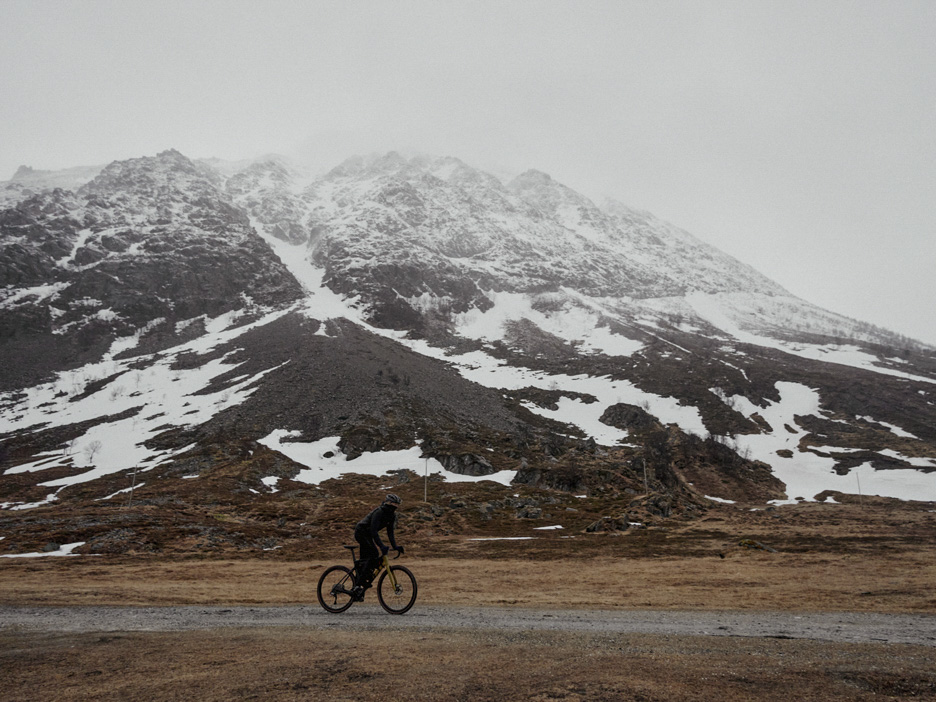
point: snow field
(573, 323)
(320, 303)
(723, 310)
(490, 372)
(162, 396)
(806, 474)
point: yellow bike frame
(385, 563)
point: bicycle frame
(383, 565)
(395, 586)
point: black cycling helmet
(391, 499)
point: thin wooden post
(132, 485)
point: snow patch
(160, 396)
(121, 492)
(894, 429)
(50, 498)
(65, 550)
(39, 292)
(578, 324)
(324, 461)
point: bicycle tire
(331, 600)
(399, 601)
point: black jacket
(382, 517)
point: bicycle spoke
(332, 593)
(396, 590)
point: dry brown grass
(743, 580)
(294, 664)
(877, 556)
(842, 557)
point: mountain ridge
(174, 311)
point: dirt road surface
(843, 610)
(460, 653)
(840, 627)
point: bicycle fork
(385, 563)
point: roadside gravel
(849, 627)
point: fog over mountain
(796, 137)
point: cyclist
(372, 548)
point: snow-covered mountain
(144, 245)
(396, 311)
(27, 182)
(445, 236)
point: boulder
(467, 464)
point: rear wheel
(334, 589)
(399, 599)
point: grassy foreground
(869, 557)
(295, 664)
(742, 580)
(875, 556)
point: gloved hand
(385, 550)
(399, 550)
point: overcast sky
(799, 137)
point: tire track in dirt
(846, 627)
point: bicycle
(396, 586)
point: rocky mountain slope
(145, 244)
(167, 319)
(27, 182)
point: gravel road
(848, 627)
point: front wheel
(334, 589)
(396, 599)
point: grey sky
(799, 137)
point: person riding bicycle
(372, 548)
